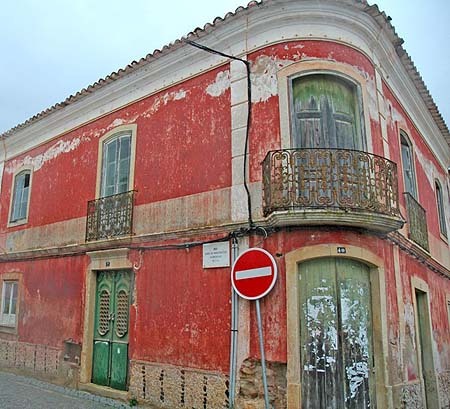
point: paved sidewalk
(20, 392)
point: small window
(116, 164)
(440, 208)
(409, 177)
(21, 193)
(9, 304)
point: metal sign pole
(234, 329)
(263, 359)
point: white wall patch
(220, 85)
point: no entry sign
(254, 273)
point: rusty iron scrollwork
(329, 178)
(110, 216)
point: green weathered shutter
(408, 167)
(356, 330)
(321, 382)
(335, 334)
(20, 199)
(326, 113)
(116, 165)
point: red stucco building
(111, 200)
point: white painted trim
(16, 277)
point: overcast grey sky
(51, 49)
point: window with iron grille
(110, 214)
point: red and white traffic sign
(254, 273)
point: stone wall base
(39, 361)
(172, 387)
(251, 388)
(444, 389)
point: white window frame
(103, 141)
(12, 221)
(9, 319)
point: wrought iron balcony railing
(417, 222)
(340, 179)
(110, 216)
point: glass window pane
(441, 212)
(23, 203)
(116, 165)
(6, 297)
(111, 152)
(124, 167)
(408, 167)
(26, 180)
(14, 298)
(125, 147)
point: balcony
(331, 187)
(110, 217)
(417, 222)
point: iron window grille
(109, 217)
(417, 221)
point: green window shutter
(20, 199)
(408, 166)
(326, 113)
(440, 209)
(116, 165)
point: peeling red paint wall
(183, 148)
(50, 299)
(182, 311)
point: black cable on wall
(249, 118)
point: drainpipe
(234, 328)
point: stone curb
(69, 391)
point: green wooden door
(335, 334)
(110, 360)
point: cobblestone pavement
(20, 392)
